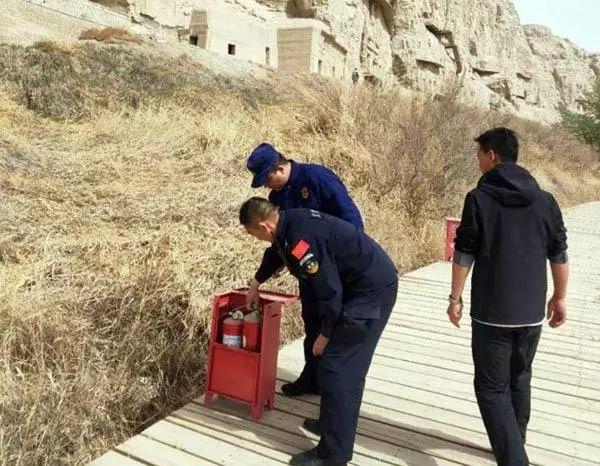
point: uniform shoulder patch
(315, 213)
(311, 266)
(300, 249)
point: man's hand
(320, 344)
(557, 309)
(459, 277)
(455, 313)
(557, 312)
(252, 297)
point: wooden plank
(577, 297)
(448, 377)
(460, 340)
(405, 436)
(391, 357)
(113, 458)
(548, 340)
(553, 380)
(415, 303)
(221, 416)
(156, 453)
(581, 290)
(547, 350)
(433, 385)
(276, 427)
(385, 423)
(368, 449)
(462, 336)
(543, 368)
(581, 369)
(199, 441)
(388, 409)
(435, 273)
(434, 308)
(411, 293)
(412, 297)
(428, 289)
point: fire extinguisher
(252, 331)
(243, 331)
(232, 329)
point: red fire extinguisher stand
(238, 374)
(452, 225)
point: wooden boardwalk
(419, 408)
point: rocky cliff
(428, 45)
(479, 44)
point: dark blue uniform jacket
(345, 268)
(316, 187)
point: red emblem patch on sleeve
(300, 249)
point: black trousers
(503, 358)
(312, 328)
(342, 372)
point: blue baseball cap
(261, 161)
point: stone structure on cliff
(479, 46)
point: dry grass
(109, 36)
(117, 227)
(72, 83)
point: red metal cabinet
(238, 374)
(451, 226)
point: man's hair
(281, 160)
(502, 141)
(255, 210)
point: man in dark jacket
(354, 283)
(300, 185)
(509, 229)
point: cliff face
(565, 70)
(425, 45)
(480, 44)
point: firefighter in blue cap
(300, 185)
(354, 284)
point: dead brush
(122, 5)
(109, 35)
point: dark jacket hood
(510, 185)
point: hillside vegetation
(121, 174)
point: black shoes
(305, 457)
(297, 388)
(309, 458)
(312, 425)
